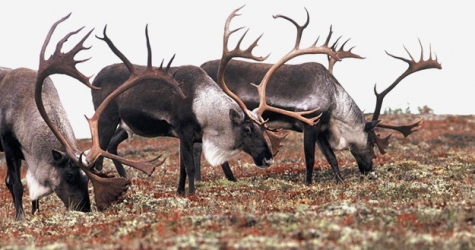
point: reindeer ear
(369, 126)
(60, 158)
(235, 116)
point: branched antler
(256, 115)
(236, 52)
(406, 130)
(106, 189)
(342, 53)
(161, 75)
(64, 63)
(413, 67)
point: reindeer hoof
(338, 179)
(372, 175)
(232, 178)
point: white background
(193, 31)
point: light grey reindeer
(25, 136)
(342, 125)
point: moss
(422, 196)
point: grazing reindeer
(342, 125)
(42, 135)
(25, 136)
(207, 115)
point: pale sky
(193, 31)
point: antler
(342, 53)
(382, 142)
(412, 68)
(161, 74)
(275, 137)
(108, 189)
(64, 63)
(406, 130)
(237, 52)
(247, 53)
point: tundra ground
(422, 196)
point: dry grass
(421, 197)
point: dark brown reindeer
(223, 125)
(30, 134)
(342, 125)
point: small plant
(397, 111)
(390, 111)
(425, 110)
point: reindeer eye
(248, 130)
(69, 177)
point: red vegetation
(421, 196)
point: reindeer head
(252, 139)
(72, 186)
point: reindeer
(25, 136)
(342, 124)
(210, 114)
(42, 135)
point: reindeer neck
(346, 123)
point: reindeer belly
(148, 126)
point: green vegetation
(399, 111)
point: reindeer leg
(197, 148)
(228, 172)
(327, 151)
(181, 181)
(120, 135)
(13, 178)
(35, 206)
(187, 166)
(309, 138)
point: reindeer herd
(221, 108)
